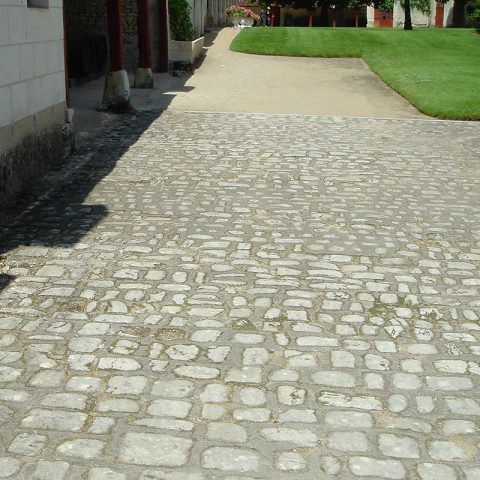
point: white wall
(370, 14)
(448, 13)
(32, 71)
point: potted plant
(235, 13)
(241, 16)
(183, 46)
(249, 17)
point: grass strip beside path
(437, 70)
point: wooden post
(116, 95)
(143, 74)
(163, 29)
(115, 34)
(144, 36)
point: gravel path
(235, 82)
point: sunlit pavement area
(247, 296)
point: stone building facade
(89, 17)
(33, 104)
(441, 15)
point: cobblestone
(248, 296)
(398, 446)
(290, 462)
(82, 448)
(230, 459)
(48, 470)
(228, 432)
(9, 467)
(154, 449)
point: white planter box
(185, 51)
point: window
(38, 3)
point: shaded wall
(90, 16)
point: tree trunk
(163, 34)
(310, 18)
(408, 16)
(115, 35)
(144, 35)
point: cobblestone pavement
(248, 296)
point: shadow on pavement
(53, 212)
(87, 97)
(5, 281)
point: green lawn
(437, 70)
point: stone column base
(143, 78)
(116, 95)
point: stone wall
(90, 16)
(35, 154)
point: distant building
(453, 13)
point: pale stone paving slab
(249, 296)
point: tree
(387, 6)
(423, 6)
(475, 16)
(309, 5)
(408, 16)
(180, 23)
(356, 5)
(383, 5)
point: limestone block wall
(32, 72)
(32, 90)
